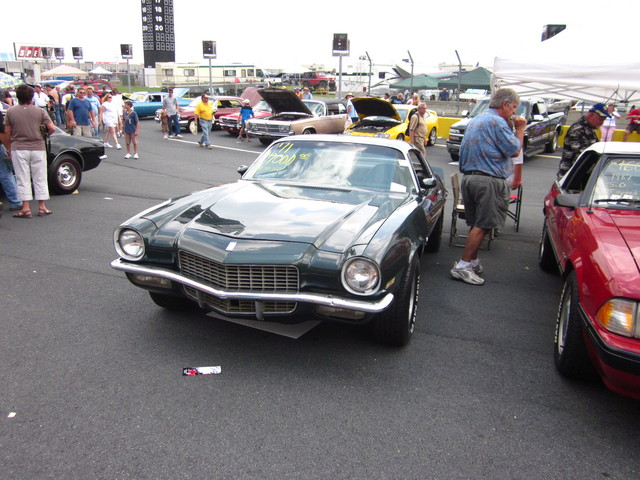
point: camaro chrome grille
(240, 278)
(240, 306)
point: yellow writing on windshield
(280, 157)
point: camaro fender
(397, 241)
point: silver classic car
(292, 116)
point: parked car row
(281, 113)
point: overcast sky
(287, 35)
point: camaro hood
(330, 219)
(283, 101)
(374, 107)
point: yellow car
(379, 118)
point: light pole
(459, 82)
(410, 60)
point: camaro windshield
(619, 182)
(335, 165)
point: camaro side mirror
(569, 200)
(242, 169)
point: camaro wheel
(265, 141)
(400, 137)
(396, 324)
(433, 137)
(546, 259)
(65, 174)
(192, 126)
(433, 243)
(172, 303)
(570, 354)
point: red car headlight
(620, 316)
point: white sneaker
(135, 155)
(170, 136)
(478, 269)
(467, 275)
(178, 136)
(128, 155)
(118, 147)
(165, 137)
(108, 145)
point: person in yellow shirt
(204, 115)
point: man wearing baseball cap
(581, 135)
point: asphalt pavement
(91, 383)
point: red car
(230, 123)
(226, 105)
(591, 233)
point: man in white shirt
(40, 99)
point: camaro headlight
(361, 276)
(454, 130)
(284, 128)
(620, 316)
(129, 244)
(381, 135)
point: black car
(321, 227)
(68, 156)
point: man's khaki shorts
(486, 201)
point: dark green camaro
(320, 227)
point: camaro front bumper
(367, 306)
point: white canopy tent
(574, 65)
(64, 71)
(100, 71)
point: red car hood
(628, 223)
(618, 234)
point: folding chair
(458, 213)
(515, 206)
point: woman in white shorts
(109, 118)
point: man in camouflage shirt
(581, 135)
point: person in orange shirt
(204, 115)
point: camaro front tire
(396, 324)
